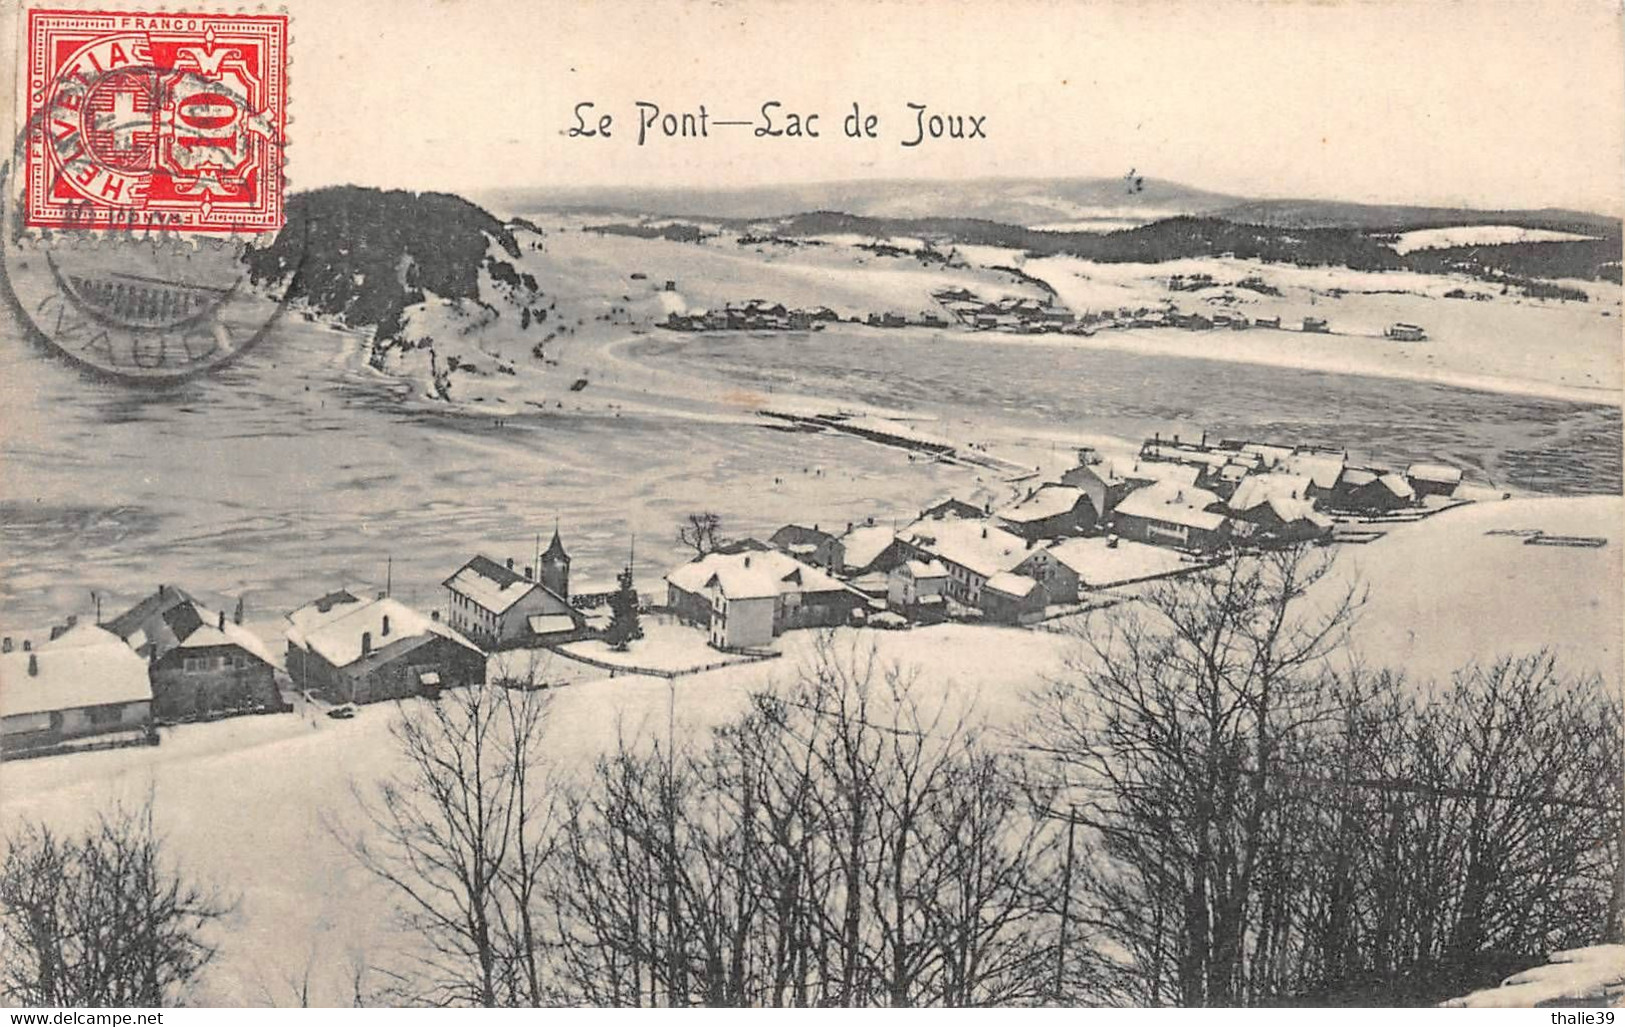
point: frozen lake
(292, 472)
(1524, 443)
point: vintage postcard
(771, 503)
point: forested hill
(364, 254)
(1192, 236)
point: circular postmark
(141, 267)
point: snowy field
(1477, 235)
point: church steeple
(555, 569)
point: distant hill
(1391, 218)
(364, 255)
(1061, 204)
(1026, 202)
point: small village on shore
(1039, 551)
(1025, 315)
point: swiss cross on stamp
(163, 120)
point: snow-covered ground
(1590, 976)
(252, 804)
(1477, 235)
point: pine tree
(624, 627)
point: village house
(1171, 514)
(747, 599)
(492, 604)
(868, 548)
(1323, 468)
(917, 589)
(1099, 479)
(972, 550)
(1278, 509)
(1050, 511)
(810, 545)
(355, 651)
(1072, 566)
(1433, 479)
(201, 664)
(1010, 598)
(83, 684)
(1369, 490)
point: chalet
(1080, 564)
(1267, 322)
(1372, 491)
(955, 507)
(201, 664)
(1099, 480)
(491, 603)
(917, 588)
(869, 548)
(83, 684)
(1323, 468)
(930, 319)
(360, 652)
(748, 599)
(1278, 509)
(972, 550)
(810, 545)
(1433, 479)
(1172, 514)
(1316, 325)
(1404, 332)
(1010, 598)
(1052, 511)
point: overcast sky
(1485, 103)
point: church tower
(555, 570)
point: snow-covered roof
(1257, 489)
(1322, 468)
(1012, 584)
(1100, 564)
(1163, 471)
(1173, 503)
(93, 667)
(1181, 454)
(339, 640)
(1398, 486)
(1269, 454)
(752, 575)
(1439, 473)
(865, 543)
(489, 585)
(319, 611)
(979, 545)
(1292, 510)
(217, 630)
(1049, 501)
(926, 569)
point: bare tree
(102, 919)
(460, 835)
(839, 844)
(1175, 738)
(1277, 822)
(701, 532)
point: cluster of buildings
(1023, 314)
(172, 657)
(756, 315)
(1177, 507)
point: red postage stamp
(164, 120)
